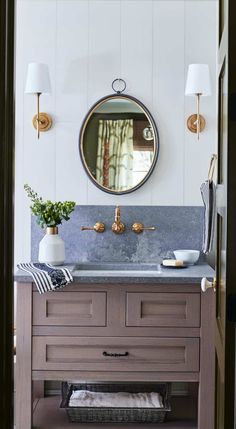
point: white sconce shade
(198, 83)
(38, 80)
(198, 80)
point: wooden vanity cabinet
(115, 332)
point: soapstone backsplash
(176, 228)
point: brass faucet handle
(138, 227)
(98, 227)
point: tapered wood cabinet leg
(206, 394)
(38, 389)
(23, 357)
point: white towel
(85, 398)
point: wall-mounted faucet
(118, 227)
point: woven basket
(116, 415)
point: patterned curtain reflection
(115, 154)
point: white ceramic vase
(52, 248)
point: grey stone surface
(116, 266)
(189, 275)
(176, 228)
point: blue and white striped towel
(47, 277)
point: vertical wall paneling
(200, 47)
(87, 44)
(71, 96)
(104, 47)
(104, 62)
(34, 20)
(136, 66)
(137, 48)
(71, 60)
(71, 181)
(168, 58)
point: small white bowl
(189, 257)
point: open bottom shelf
(48, 415)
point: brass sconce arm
(196, 122)
(98, 227)
(138, 227)
(41, 121)
(198, 115)
(38, 119)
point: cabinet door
(162, 309)
(70, 309)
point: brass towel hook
(212, 167)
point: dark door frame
(230, 352)
(7, 21)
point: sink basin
(116, 268)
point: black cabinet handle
(115, 354)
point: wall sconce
(148, 133)
(38, 82)
(198, 83)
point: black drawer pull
(115, 354)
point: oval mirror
(119, 144)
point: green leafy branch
(49, 213)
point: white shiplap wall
(87, 44)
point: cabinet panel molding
(162, 309)
(70, 309)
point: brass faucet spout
(117, 214)
(118, 227)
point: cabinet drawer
(162, 309)
(93, 354)
(70, 309)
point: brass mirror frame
(156, 141)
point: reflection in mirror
(119, 144)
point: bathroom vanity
(116, 328)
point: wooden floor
(47, 415)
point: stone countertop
(191, 274)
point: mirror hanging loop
(120, 84)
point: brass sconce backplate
(45, 121)
(192, 123)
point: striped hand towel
(208, 191)
(47, 277)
